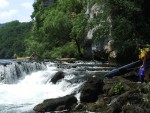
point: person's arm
(143, 61)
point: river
(26, 84)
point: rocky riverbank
(120, 94)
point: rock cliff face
(95, 10)
(92, 49)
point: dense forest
(12, 38)
(1, 25)
(60, 28)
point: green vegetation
(147, 87)
(68, 50)
(59, 29)
(54, 29)
(145, 99)
(12, 36)
(1, 25)
(118, 88)
(130, 25)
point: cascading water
(23, 94)
(32, 89)
(11, 73)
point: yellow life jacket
(144, 53)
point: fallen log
(124, 69)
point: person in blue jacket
(144, 70)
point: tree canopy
(12, 36)
(60, 28)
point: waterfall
(9, 74)
(33, 88)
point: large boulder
(59, 75)
(91, 89)
(132, 109)
(112, 52)
(112, 57)
(62, 103)
(125, 101)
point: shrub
(68, 50)
(118, 87)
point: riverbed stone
(91, 89)
(62, 103)
(80, 107)
(98, 95)
(59, 75)
(132, 109)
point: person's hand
(142, 66)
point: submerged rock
(59, 75)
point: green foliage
(1, 25)
(36, 7)
(56, 27)
(102, 31)
(68, 6)
(53, 25)
(147, 86)
(145, 99)
(12, 36)
(55, 53)
(79, 27)
(129, 26)
(33, 46)
(102, 22)
(68, 50)
(118, 88)
(60, 29)
(65, 21)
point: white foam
(33, 89)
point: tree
(129, 26)
(79, 30)
(12, 36)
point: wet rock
(107, 88)
(80, 107)
(132, 109)
(60, 108)
(61, 103)
(92, 107)
(91, 89)
(118, 84)
(98, 106)
(132, 76)
(132, 97)
(59, 75)
(101, 102)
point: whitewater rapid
(33, 89)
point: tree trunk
(78, 47)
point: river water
(26, 84)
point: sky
(11, 10)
